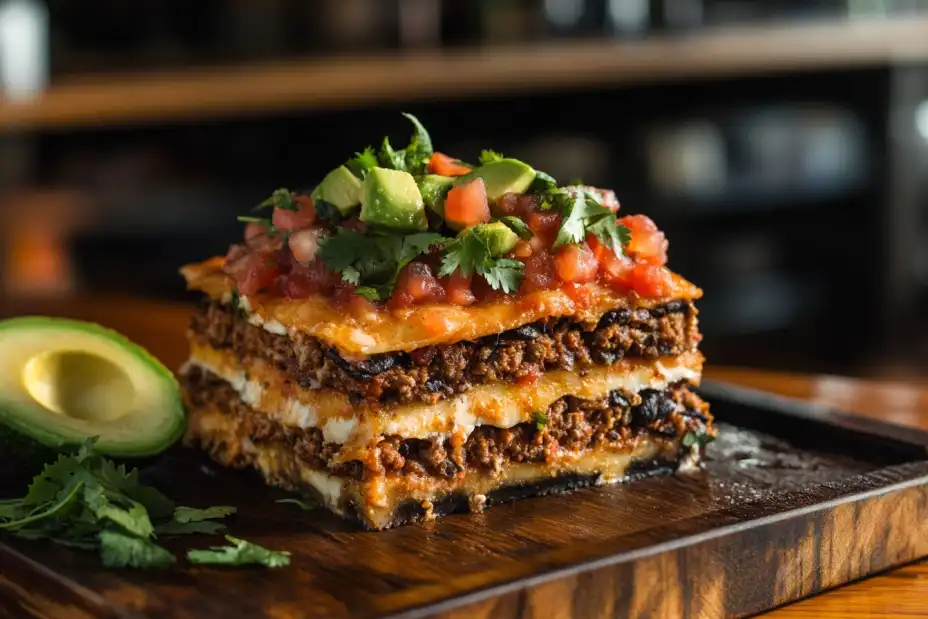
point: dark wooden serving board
(793, 501)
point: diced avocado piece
(391, 199)
(434, 188)
(341, 189)
(500, 239)
(502, 177)
(64, 381)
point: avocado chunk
(391, 199)
(434, 188)
(341, 189)
(500, 239)
(63, 381)
(502, 177)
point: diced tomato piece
(523, 249)
(508, 204)
(306, 280)
(235, 252)
(417, 285)
(253, 273)
(466, 205)
(516, 204)
(458, 289)
(254, 229)
(648, 244)
(650, 281)
(287, 220)
(441, 163)
(540, 273)
(305, 243)
(544, 225)
(575, 264)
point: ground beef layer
(570, 423)
(435, 372)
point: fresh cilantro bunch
(413, 159)
(471, 254)
(86, 501)
(373, 262)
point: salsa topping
(414, 226)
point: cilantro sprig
(240, 552)
(470, 253)
(582, 214)
(371, 261)
(85, 501)
(281, 198)
(413, 159)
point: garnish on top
(413, 226)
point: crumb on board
(477, 503)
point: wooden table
(900, 592)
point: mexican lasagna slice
(418, 335)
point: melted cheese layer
(503, 405)
(371, 332)
(377, 498)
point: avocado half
(63, 381)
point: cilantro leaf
(190, 520)
(191, 514)
(421, 140)
(470, 253)
(415, 157)
(489, 156)
(85, 501)
(327, 212)
(517, 225)
(542, 183)
(389, 158)
(304, 504)
(202, 527)
(540, 419)
(133, 517)
(373, 262)
(582, 214)
(282, 198)
(239, 553)
(50, 509)
(119, 549)
(697, 438)
(362, 162)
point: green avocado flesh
(63, 381)
(341, 189)
(500, 239)
(502, 177)
(391, 200)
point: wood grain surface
(839, 538)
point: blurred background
(781, 144)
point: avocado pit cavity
(80, 385)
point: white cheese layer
(502, 405)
